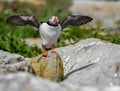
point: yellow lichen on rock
(50, 67)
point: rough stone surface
(50, 67)
(27, 82)
(104, 13)
(10, 62)
(9, 58)
(104, 57)
(90, 65)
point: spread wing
(22, 20)
(75, 20)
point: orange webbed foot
(45, 54)
(53, 51)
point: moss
(50, 68)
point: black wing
(75, 20)
(22, 20)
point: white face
(54, 20)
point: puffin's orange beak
(55, 21)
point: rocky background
(105, 13)
(91, 64)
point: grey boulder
(9, 58)
(91, 62)
(89, 65)
(28, 82)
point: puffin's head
(54, 20)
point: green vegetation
(15, 44)
(84, 32)
(12, 37)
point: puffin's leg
(53, 49)
(44, 52)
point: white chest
(49, 34)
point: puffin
(50, 30)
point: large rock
(9, 58)
(10, 62)
(50, 67)
(90, 65)
(104, 13)
(91, 62)
(27, 82)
